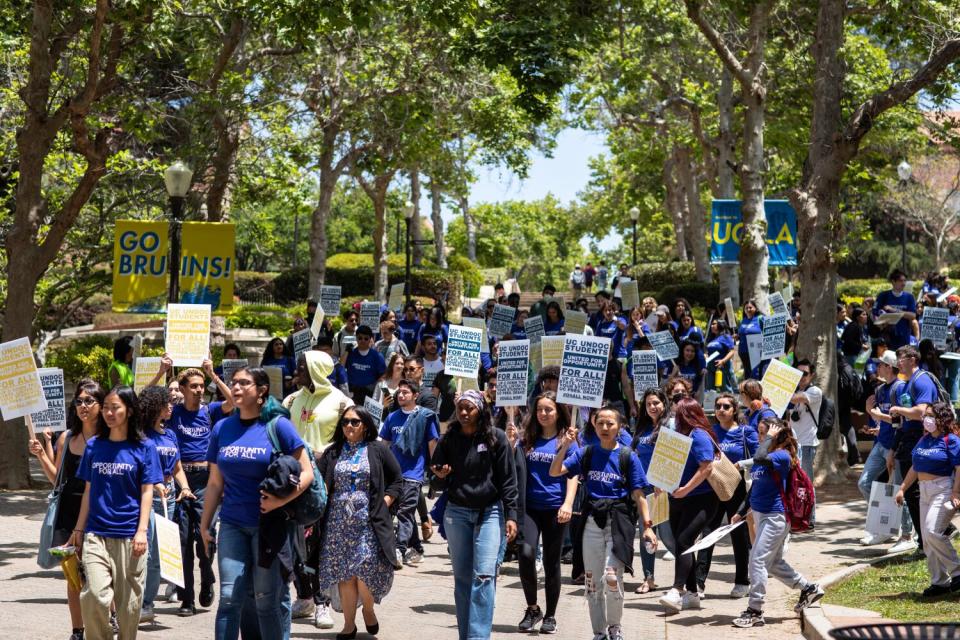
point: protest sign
(55, 416)
(276, 381)
(207, 264)
(478, 323)
(533, 327)
(330, 300)
(774, 337)
(664, 344)
(302, 342)
(395, 301)
(883, 512)
(710, 401)
(374, 408)
(730, 313)
(536, 357)
(583, 370)
(140, 266)
(463, 351)
(168, 543)
(946, 294)
(551, 351)
(370, 316)
(20, 390)
(754, 349)
(467, 384)
(669, 458)
(645, 374)
(512, 372)
(501, 322)
(145, 370)
(713, 537)
(629, 294)
(652, 321)
(779, 384)
(777, 305)
(788, 291)
(317, 323)
(188, 334)
(230, 367)
(934, 325)
(659, 507)
(574, 321)
(137, 347)
(889, 318)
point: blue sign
(726, 230)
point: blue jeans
(952, 382)
(875, 465)
(153, 559)
(242, 581)
(807, 454)
(474, 536)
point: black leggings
(536, 524)
(740, 538)
(912, 497)
(689, 517)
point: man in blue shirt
(364, 365)
(897, 300)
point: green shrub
(362, 260)
(253, 285)
(472, 276)
(859, 289)
(698, 294)
(276, 322)
(87, 357)
(653, 275)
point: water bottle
(649, 546)
(718, 378)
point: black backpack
(624, 463)
(826, 417)
(942, 395)
(849, 384)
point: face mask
(929, 424)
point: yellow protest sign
(139, 266)
(21, 392)
(168, 543)
(551, 351)
(536, 354)
(779, 384)
(144, 371)
(669, 458)
(207, 265)
(188, 334)
(659, 507)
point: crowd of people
(542, 484)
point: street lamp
(904, 172)
(408, 216)
(634, 215)
(177, 179)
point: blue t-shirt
(518, 332)
(242, 454)
(883, 399)
(754, 417)
(408, 330)
(609, 329)
(904, 302)
(693, 371)
(588, 438)
(167, 449)
(645, 443)
(921, 389)
(732, 442)
(603, 476)
(693, 334)
(441, 335)
(545, 492)
(721, 345)
(115, 472)
(339, 375)
(553, 328)
(365, 370)
(938, 456)
(413, 467)
(286, 363)
(193, 429)
(749, 327)
(701, 450)
(764, 493)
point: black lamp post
(634, 215)
(904, 172)
(177, 179)
(407, 216)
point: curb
(814, 624)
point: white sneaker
(539, 567)
(668, 556)
(872, 539)
(303, 608)
(691, 601)
(906, 544)
(412, 557)
(170, 595)
(740, 591)
(147, 614)
(322, 618)
(672, 601)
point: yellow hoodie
(315, 414)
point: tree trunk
(675, 203)
(729, 273)
(696, 223)
(222, 164)
(377, 192)
(436, 207)
(471, 228)
(754, 257)
(317, 271)
(416, 226)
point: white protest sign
(710, 401)
(55, 416)
(374, 408)
(788, 291)
(188, 334)
(731, 316)
(889, 318)
(276, 381)
(317, 323)
(946, 294)
(512, 372)
(583, 370)
(501, 322)
(779, 384)
(713, 537)
(330, 300)
(463, 351)
(533, 327)
(478, 323)
(669, 458)
(934, 325)
(231, 366)
(137, 347)
(302, 342)
(168, 543)
(395, 301)
(754, 349)
(629, 294)
(144, 371)
(774, 337)
(370, 315)
(536, 356)
(551, 351)
(711, 357)
(883, 512)
(664, 344)
(574, 322)
(645, 375)
(20, 390)
(777, 305)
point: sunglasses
(352, 422)
(724, 406)
(410, 369)
(84, 402)
(240, 381)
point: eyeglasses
(352, 422)
(84, 402)
(411, 369)
(242, 382)
(725, 407)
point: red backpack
(798, 500)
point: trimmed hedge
(253, 285)
(698, 294)
(87, 357)
(651, 276)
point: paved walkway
(33, 601)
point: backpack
(799, 499)
(942, 395)
(309, 506)
(826, 418)
(849, 384)
(577, 277)
(624, 464)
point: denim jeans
(474, 537)
(951, 368)
(604, 594)
(874, 466)
(242, 580)
(189, 513)
(407, 513)
(153, 559)
(807, 455)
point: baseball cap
(889, 358)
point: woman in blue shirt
(548, 508)
(688, 330)
(553, 324)
(238, 456)
(751, 325)
(436, 325)
(274, 355)
(610, 326)
(737, 441)
(691, 365)
(120, 468)
(936, 466)
(720, 342)
(632, 335)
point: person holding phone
(475, 462)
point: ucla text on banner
(207, 264)
(726, 231)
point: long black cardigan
(386, 479)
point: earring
(259, 400)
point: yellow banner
(140, 267)
(207, 265)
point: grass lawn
(893, 589)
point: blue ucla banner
(726, 227)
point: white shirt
(805, 429)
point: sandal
(426, 531)
(646, 586)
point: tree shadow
(28, 503)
